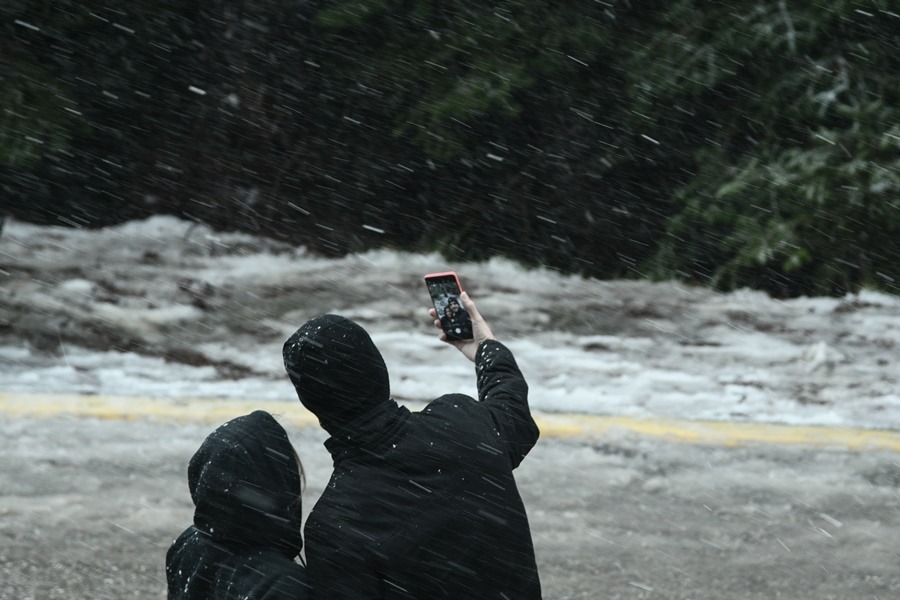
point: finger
(437, 323)
(432, 313)
(469, 305)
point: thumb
(469, 305)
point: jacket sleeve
(502, 389)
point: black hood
(336, 369)
(246, 485)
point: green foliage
(39, 115)
(488, 88)
(749, 143)
(444, 68)
(352, 13)
(797, 184)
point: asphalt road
(88, 508)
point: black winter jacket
(424, 505)
(246, 484)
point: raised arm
(480, 330)
(501, 386)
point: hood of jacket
(337, 371)
(245, 483)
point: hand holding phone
(479, 328)
(445, 291)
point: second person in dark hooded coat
(421, 505)
(245, 481)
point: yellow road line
(132, 408)
(213, 410)
(720, 433)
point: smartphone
(445, 289)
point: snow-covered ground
(162, 307)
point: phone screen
(444, 290)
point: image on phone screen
(444, 290)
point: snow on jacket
(245, 484)
(422, 504)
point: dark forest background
(745, 143)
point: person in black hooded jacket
(420, 505)
(245, 481)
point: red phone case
(445, 274)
